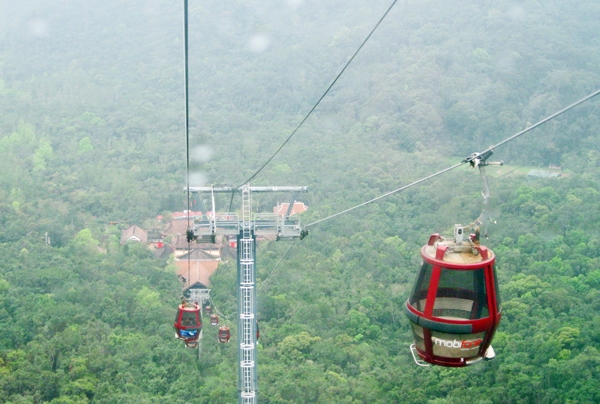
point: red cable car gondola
(214, 319)
(224, 334)
(208, 309)
(454, 308)
(188, 323)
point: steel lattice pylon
(247, 374)
(246, 230)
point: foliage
(92, 134)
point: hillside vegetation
(91, 95)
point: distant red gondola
(208, 309)
(454, 308)
(214, 319)
(188, 323)
(224, 334)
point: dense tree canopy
(91, 133)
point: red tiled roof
(163, 251)
(177, 227)
(134, 233)
(281, 209)
(196, 271)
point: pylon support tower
(246, 228)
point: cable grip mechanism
(480, 159)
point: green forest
(92, 141)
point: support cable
(469, 159)
(584, 99)
(221, 315)
(275, 268)
(322, 96)
(388, 194)
(231, 200)
(189, 232)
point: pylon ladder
(281, 227)
(247, 377)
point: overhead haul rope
(231, 200)
(274, 269)
(212, 304)
(189, 232)
(322, 96)
(471, 159)
(388, 194)
(554, 115)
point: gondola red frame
(453, 321)
(224, 334)
(188, 322)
